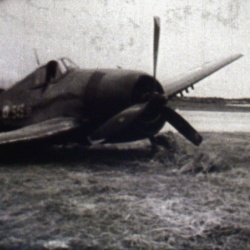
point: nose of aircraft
(154, 106)
(149, 93)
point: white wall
(108, 33)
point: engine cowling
(110, 92)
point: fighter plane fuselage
(92, 96)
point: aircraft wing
(39, 131)
(183, 82)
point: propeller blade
(156, 42)
(119, 122)
(180, 124)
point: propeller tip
(198, 139)
(157, 19)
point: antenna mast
(36, 56)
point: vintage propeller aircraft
(60, 103)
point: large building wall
(112, 33)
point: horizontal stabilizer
(176, 85)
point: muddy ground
(128, 197)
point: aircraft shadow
(74, 154)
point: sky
(112, 33)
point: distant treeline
(211, 100)
(210, 104)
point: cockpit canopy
(65, 64)
(53, 70)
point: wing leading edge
(39, 131)
(177, 85)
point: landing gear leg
(154, 146)
(163, 141)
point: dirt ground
(128, 197)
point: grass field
(127, 197)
